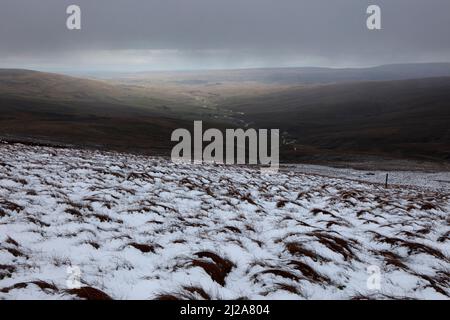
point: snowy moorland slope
(145, 228)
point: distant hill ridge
(394, 110)
(295, 76)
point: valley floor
(136, 227)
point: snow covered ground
(144, 228)
(430, 180)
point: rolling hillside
(45, 107)
(407, 118)
(335, 120)
(283, 76)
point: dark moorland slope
(332, 119)
(57, 109)
(406, 118)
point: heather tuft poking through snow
(134, 227)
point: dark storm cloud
(221, 33)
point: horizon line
(84, 71)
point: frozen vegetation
(145, 228)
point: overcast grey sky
(189, 34)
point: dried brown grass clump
(74, 212)
(216, 267)
(209, 192)
(232, 192)
(316, 211)
(78, 206)
(192, 290)
(308, 272)
(145, 248)
(6, 271)
(445, 237)
(225, 264)
(249, 199)
(281, 203)
(155, 222)
(11, 206)
(429, 206)
(38, 222)
(15, 252)
(21, 285)
(250, 228)
(12, 241)
(281, 273)
(194, 224)
(425, 230)
(186, 293)
(336, 244)
(340, 223)
(188, 183)
(288, 288)
(140, 176)
(380, 296)
(233, 229)
(115, 174)
(304, 195)
(346, 194)
(89, 293)
(167, 297)
(93, 244)
(44, 286)
(392, 259)
(101, 217)
(296, 249)
(413, 247)
(361, 212)
(440, 282)
(212, 269)
(31, 193)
